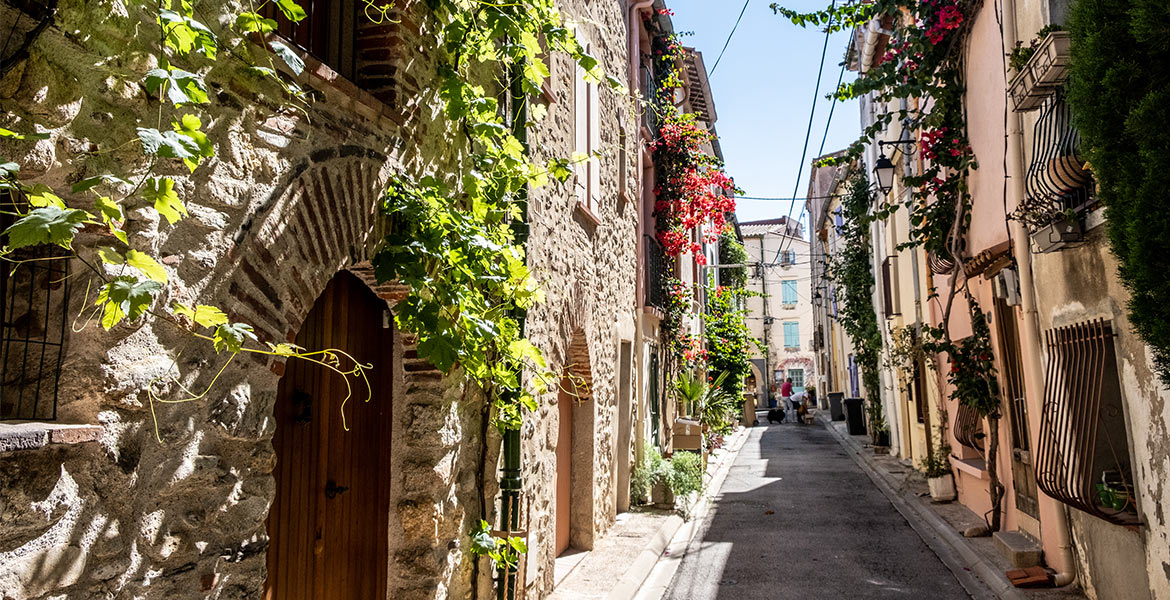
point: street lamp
(883, 169)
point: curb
(979, 578)
(663, 571)
(635, 577)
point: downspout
(1052, 512)
(634, 45)
(511, 479)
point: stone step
(1020, 550)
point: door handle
(332, 490)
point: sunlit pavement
(797, 518)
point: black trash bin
(855, 416)
(836, 411)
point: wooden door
(328, 524)
(1012, 374)
(564, 467)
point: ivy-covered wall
(290, 199)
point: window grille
(34, 307)
(1057, 180)
(656, 273)
(1083, 456)
(969, 428)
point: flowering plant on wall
(693, 190)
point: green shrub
(1119, 92)
(645, 473)
(685, 473)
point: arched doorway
(564, 454)
(328, 523)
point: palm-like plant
(708, 401)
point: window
(786, 257)
(840, 220)
(889, 287)
(327, 32)
(788, 292)
(791, 334)
(853, 387)
(34, 325)
(797, 376)
(587, 138)
(1083, 455)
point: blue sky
(763, 90)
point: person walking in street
(786, 394)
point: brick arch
(319, 219)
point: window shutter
(788, 289)
(791, 335)
(594, 145)
(581, 134)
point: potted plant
(1062, 231)
(937, 469)
(1113, 491)
(1040, 67)
(644, 475)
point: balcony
(1058, 183)
(1043, 74)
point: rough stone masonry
(290, 200)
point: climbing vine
(729, 342)
(923, 65)
(851, 268)
(126, 277)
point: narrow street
(797, 518)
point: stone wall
(289, 200)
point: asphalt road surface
(797, 518)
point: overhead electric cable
(733, 28)
(824, 138)
(813, 111)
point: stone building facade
(781, 318)
(93, 505)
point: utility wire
(821, 150)
(813, 111)
(733, 28)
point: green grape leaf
(41, 196)
(189, 127)
(184, 34)
(110, 256)
(250, 22)
(291, 10)
(560, 169)
(9, 170)
(181, 87)
(46, 225)
(91, 182)
(289, 56)
(285, 349)
(231, 336)
(5, 133)
(125, 297)
(167, 144)
(147, 265)
(204, 315)
(161, 193)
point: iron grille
(1057, 180)
(969, 428)
(656, 273)
(1083, 455)
(34, 288)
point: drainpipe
(1052, 512)
(511, 479)
(634, 32)
(770, 379)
